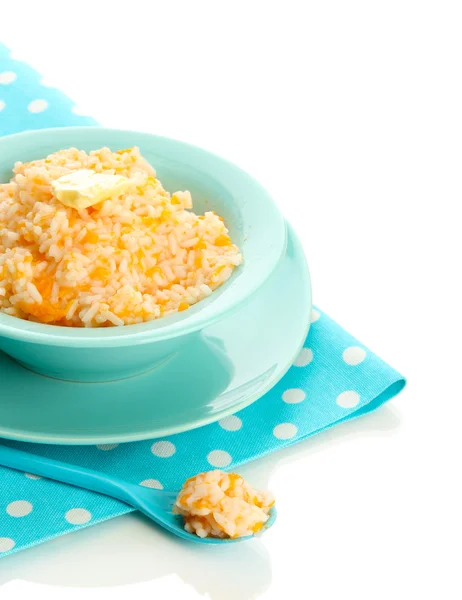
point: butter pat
(84, 188)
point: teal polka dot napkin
(334, 378)
(26, 103)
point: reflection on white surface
(131, 550)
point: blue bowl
(105, 354)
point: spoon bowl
(155, 504)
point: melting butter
(84, 188)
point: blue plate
(247, 352)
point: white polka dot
(78, 110)
(14, 55)
(163, 449)
(293, 396)
(314, 315)
(19, 508)
(37, 106)
(106, 447)
(6, 544)
(2, 105)
(77, 516)
(348, 399)
(152, 483)
(32, 476)
(7, 77)
(354, 355)
(285, 431)
(304, 358)
(219, 458)
(47, 83)
(231, 423)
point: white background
(350, 113)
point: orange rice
(129, 259)
(222, 505)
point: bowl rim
(41, 333)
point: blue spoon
(155, 504)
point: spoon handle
(67, 473)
